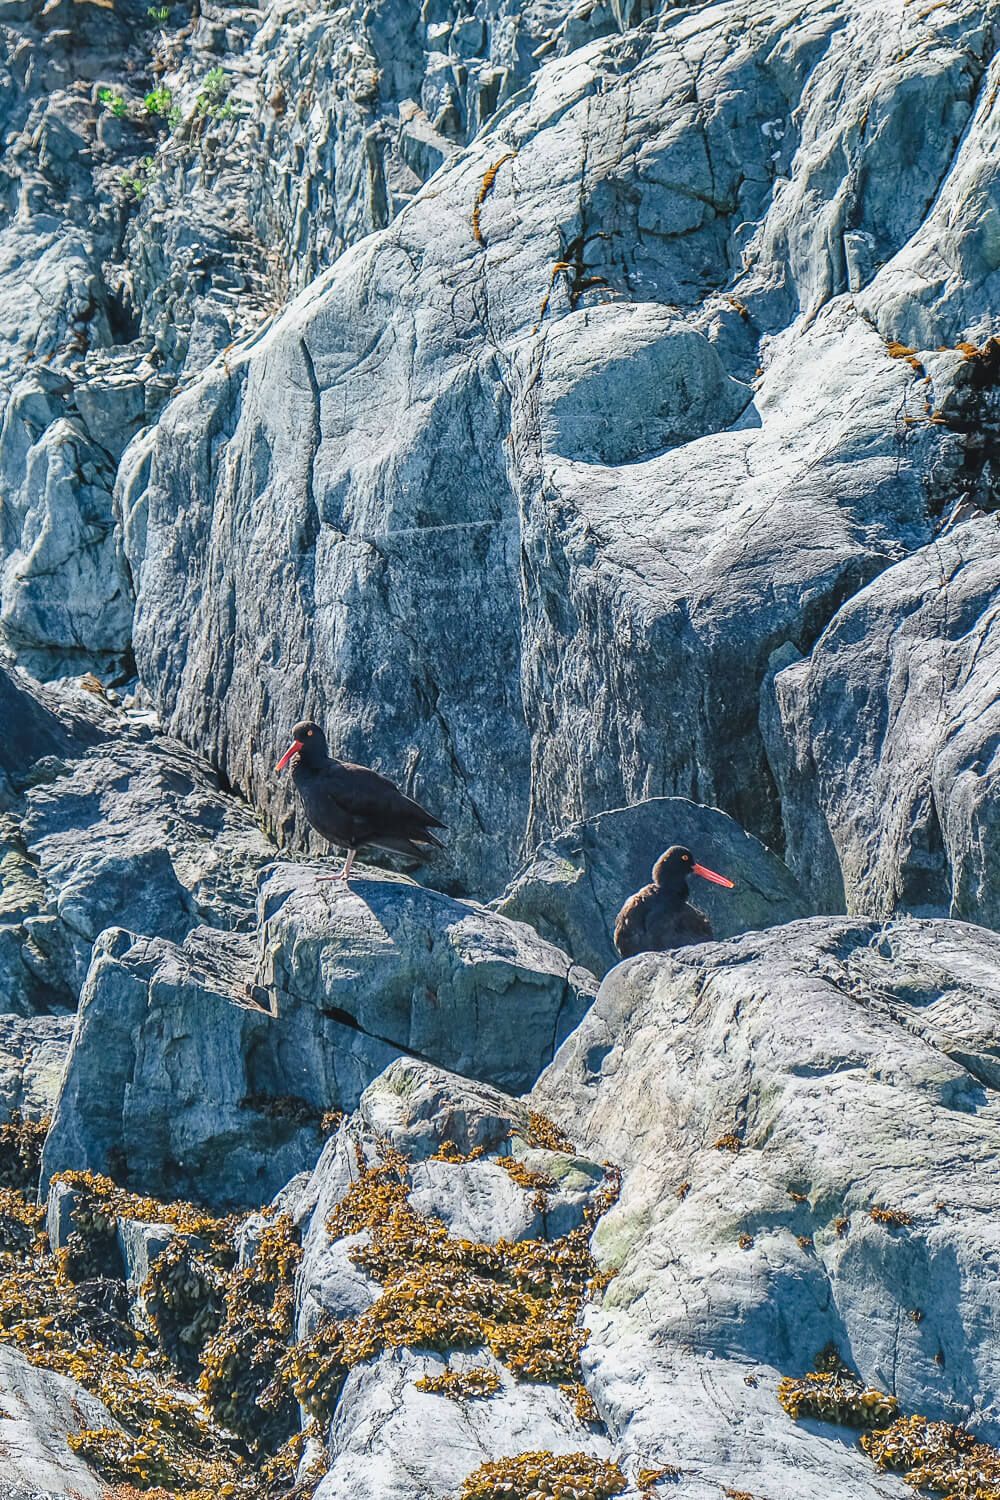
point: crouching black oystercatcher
(351, 805)
(660, 916)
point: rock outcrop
(199, 1071)
(108, 825)
(388, 1438)
(883, 741)
(805, 1126)
(686, 377)
(591, 413)
(808, 1129)
(40, 1411)
(575, 884)
(626, 552)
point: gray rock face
(574, 885)
(854, 1065)
(408, 969)
(65, 593)
(134, 832)
(633, 520)
(177, 1080)
(387, 1439)
(32, 1059)
(392, 1441)
(37, 725)
(883, 740)
(632, 440)
(651, 429)
(159, 1069)
(40, 1410)
(419, 1109)
(194, 166)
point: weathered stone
(39, 1411)
(780, 1087)
(32, 1061)
(33, 728)
(608, 452)
(596, 362)
(414, 971)
(387, 1439)
(65, 594)
(131, 830)
(166, 1074)
(177, 1072)
(390, 1441)
(883, 741)
(573, 887)
(141, 836)
(137, 1242)
(141, 1244)
(419, 1109)
(625, 553)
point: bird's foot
(339, 879)
(341, 875)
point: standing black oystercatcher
(659, 916)
(351, 805)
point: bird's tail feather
(401, 845)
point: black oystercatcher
(351, 805)
(659, 916)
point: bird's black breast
(653, 921)
(324, 806)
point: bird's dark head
(308, 742)
(673, 868)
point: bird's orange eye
(686, 858)
(309, 732)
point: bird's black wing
(692, 926)
(377, 803)
(630, 928)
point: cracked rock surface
(621, 399)
(590, 412)
(388, 1439)
(779, 1087)
(178, 1078)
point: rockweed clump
(536, 1476)
(243, 1377)
(66, 1319)
(462, 1385)
(21, 1143)
(936, 1456)
(834, 1398)
(520, 1300)
(203, 1374)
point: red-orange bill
(711, 875)
(294, 749)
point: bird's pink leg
(341, 874)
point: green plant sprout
(212, 97)
(159, 101)
(138, 181)
(113, 101)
